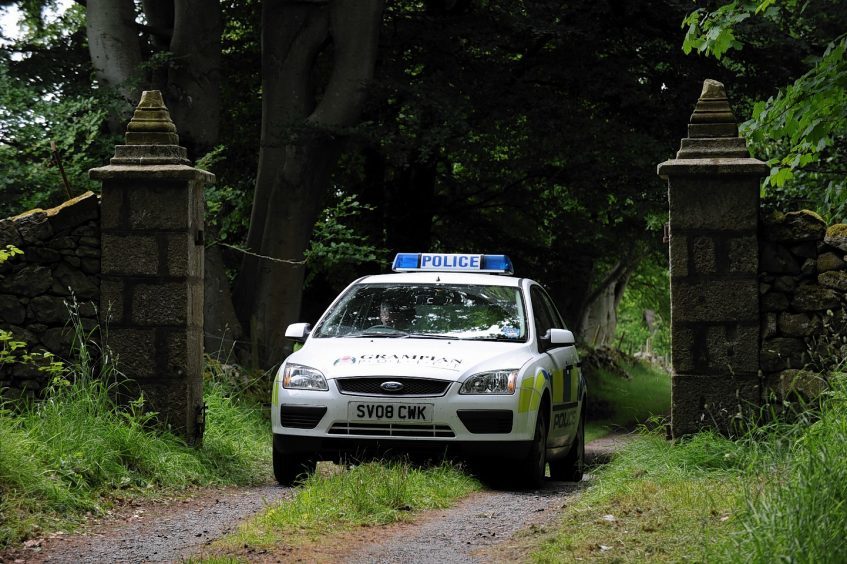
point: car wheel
(289, 468)
(572, 466)
(533, 468)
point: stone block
(9, 234)
(33, 226)
(112, 206)
(793, 383)
(836, 236)
(62, 243)
(794, 227)
(74, 261)
(743, 254)
(683, 347)
(184, 354)
(113, 301)
(87, 230)
(159, 205)
(773, 301)
(58, 341)
(184, 258)
(725, 402)
(89, 265)
(703, 255)
(830, 261)
(805, 250)
(798, 324)
(49, 309)
(176, 403)
(11, 309)
(776, 259)
(130, 255)
(715, 300)
(31, 281)
(195, 303)
(809, 268)
(68, 279)
(782, 353)
(732, 349)
(163, 304)
(712, 202)
(769, 328)
(814, 298)
(42, 255)
(837, 280)
(678, 256)
(74, 212)
(135, 351)
(785, 284)
(87, 252)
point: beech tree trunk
(599, 319)
(299, 145)
(115, 52)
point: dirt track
(177, 529)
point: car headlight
(494, 382)
(299, 377)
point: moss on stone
(837, 230)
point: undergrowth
(776, 494)
(77, 451)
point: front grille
(420, 387)
(486, 420)
(301, 416)
(391, 430)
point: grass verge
(373, 493)
(777, 494)
(76, 452)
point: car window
(552, 312)
(460, 311)
(540, 312)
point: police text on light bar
(452, 262)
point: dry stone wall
(61, 257)
(803, 289)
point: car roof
(443, 278)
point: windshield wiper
(432, 336)
(390, 333)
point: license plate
(404, 412)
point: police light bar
(451, 262)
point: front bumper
(337, 448)
(318, 422)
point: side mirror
(298, 332)
(558, 338)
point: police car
(450, 353)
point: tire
(531, 470)
(290, 469)
(572, 466)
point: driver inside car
(396, 315)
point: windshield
(436, 311)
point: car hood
(431, 358)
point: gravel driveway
(176, 529)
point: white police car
(446, 354)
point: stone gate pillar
(151, 294)
(713, 190)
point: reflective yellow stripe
(531, 391)
(275, 392)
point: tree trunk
(299, 145)
(193, 90)
(115, 52)
(600, 320)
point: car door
(565, 400)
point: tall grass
(77, 450)
(776, 494)
(796, 502)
